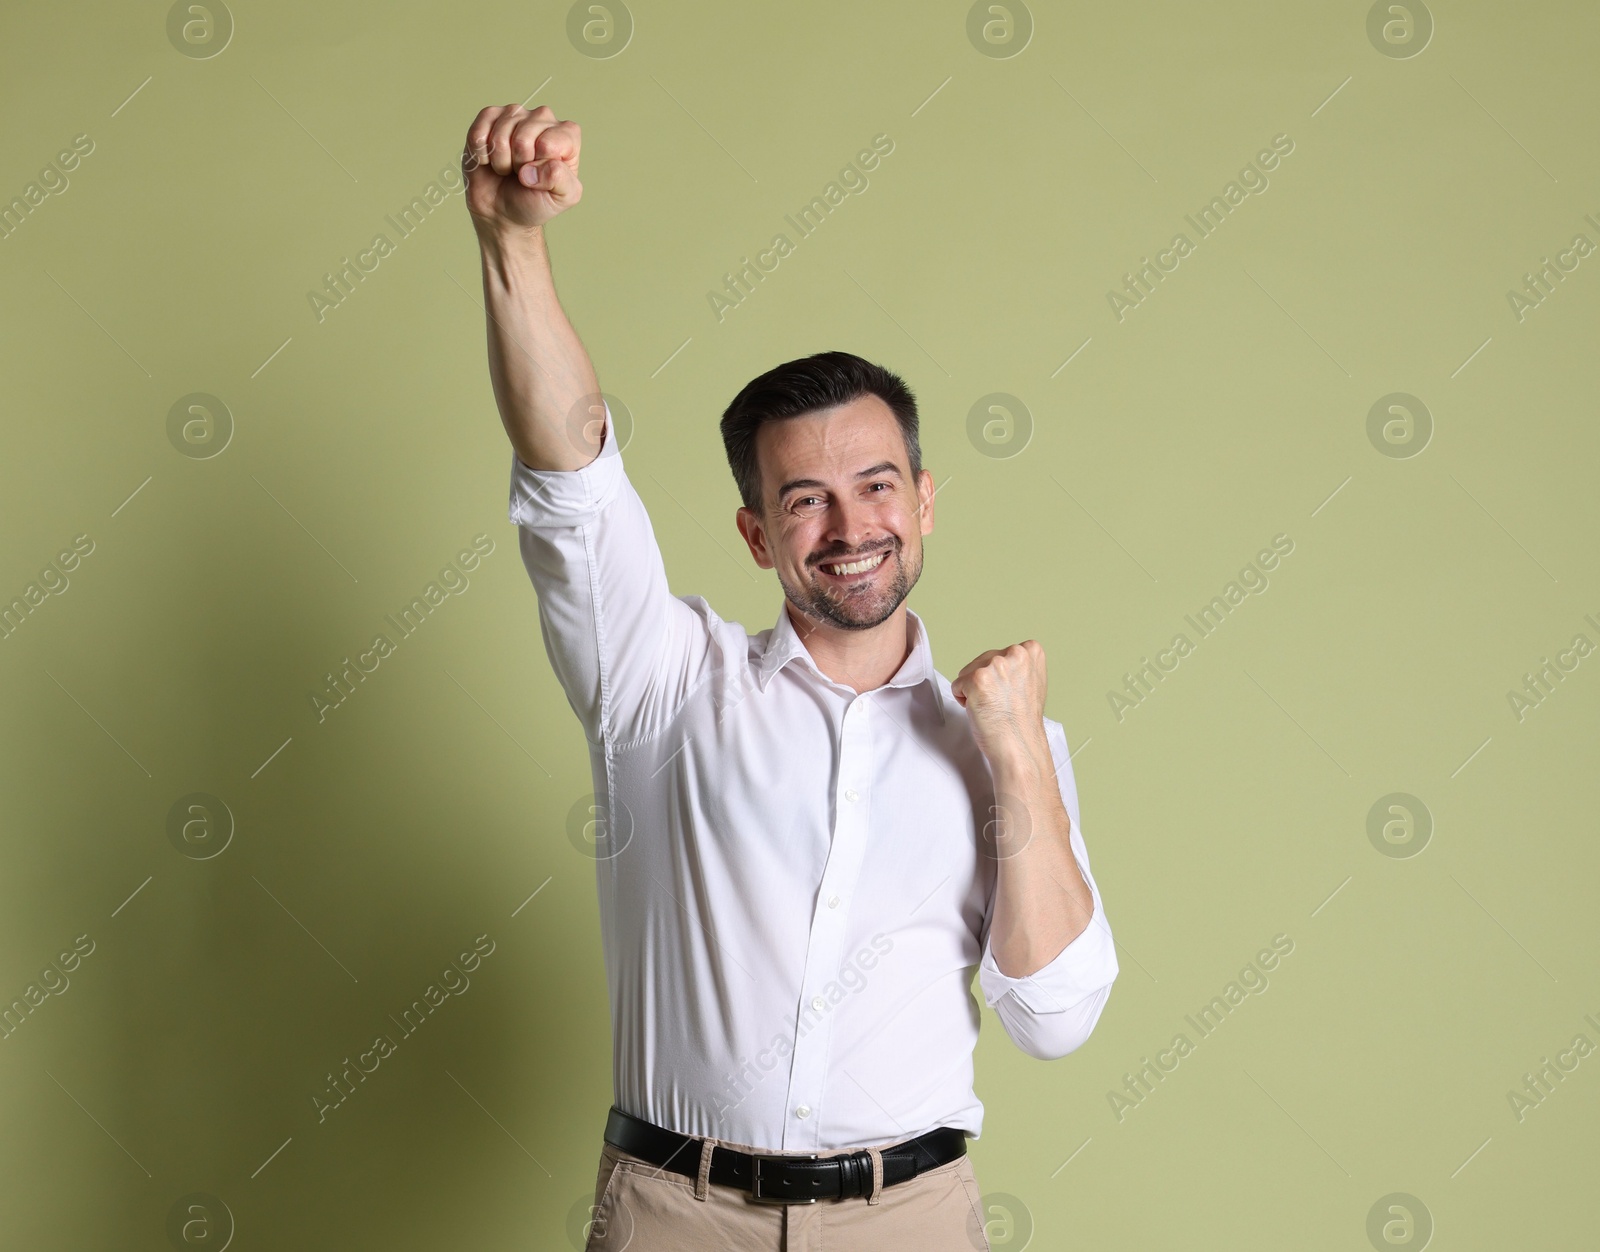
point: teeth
(857, 567)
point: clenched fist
(1003, 692)
(521, 167)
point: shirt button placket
(825, 948)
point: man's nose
(850, 524)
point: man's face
(837, 490)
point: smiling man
(809, 839)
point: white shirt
(792, 893)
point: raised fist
(521, 167)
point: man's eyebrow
(882, 467)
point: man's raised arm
(626, 651)
(522, 170)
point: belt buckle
(755, 1178)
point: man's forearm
(541, 373)
(1041, 900)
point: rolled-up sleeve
(623, 647)
(1050, 1012)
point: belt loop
(876, 1192)
(702, 1182)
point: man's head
(825, 454)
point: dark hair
(803, 386)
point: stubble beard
(852, 609)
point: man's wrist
(1023, 761)
(503, 240)
(510, 252)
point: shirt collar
(784, 645)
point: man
(809, 836)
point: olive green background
(443, 800)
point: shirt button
(803, 1111)
(833, 902)
(852, 795)
(818, 1003)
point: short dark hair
(803, 386)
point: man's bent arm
(1051, 1005)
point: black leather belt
(784, 1178)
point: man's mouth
(858, 568)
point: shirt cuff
(1086, 965)
(566, 497)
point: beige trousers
(639, 1207)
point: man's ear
(925, 493)
(755, 535)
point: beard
(863, 605)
